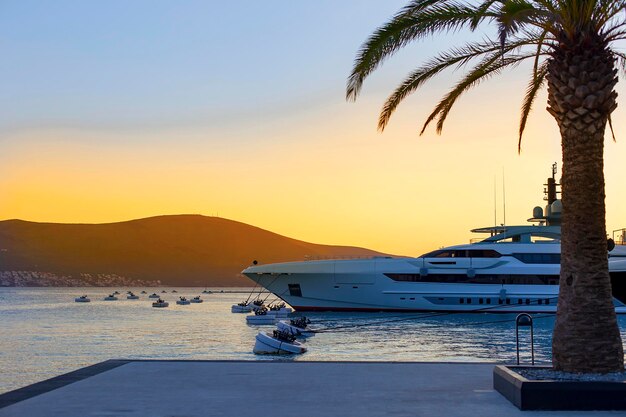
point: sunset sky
(115, 110)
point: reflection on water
(45, 333)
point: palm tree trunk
(581, 97)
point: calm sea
(45, 333)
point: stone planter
(556, 394)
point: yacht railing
(345, 257)
(619, 236)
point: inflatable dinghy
(277, 342)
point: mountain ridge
(184, 249)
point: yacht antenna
(495, 205)
(503, 199)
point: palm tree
(571, 44)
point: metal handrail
(525, 320)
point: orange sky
(325, 176)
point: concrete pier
(245, 388)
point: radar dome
(537, 212)
(557, 207)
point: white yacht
(515, 269)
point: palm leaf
(456, 56)
(418, 20)
(539, 75)
(488, 67)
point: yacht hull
(374, 285)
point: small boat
(297, 327)
(132, 296)
(116, 292)
(174, 291)
(242, 307)
(183, 301)
(206, 292)
(277, 342)
(153, 295)
(279, 310)
(82, 299)
(197, 299)
(160, 303)
(260, 316)
(143, 292)
(111, 297)
(163, 292)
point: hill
(180, 250)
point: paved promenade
(246, 388)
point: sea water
(45, 333)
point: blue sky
(140, 63)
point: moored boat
(197, 299)
(260, 317)
(242, 307)
(160, 303)
(183, 301)
(82, 299)
(110, 297)
(278, 342)
(297, 327)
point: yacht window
(500, 301)
(539, 301)
(477, 279)
(528, 301)
(538, 258)
(480, 253)
(461, 300)
(480, 301)
(469, 301)
(519, 301)
(295, 290)
(547, 301)
(508, 301)
(488, 300)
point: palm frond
(488, 67)
(513, 14)
(539, 75)
(453, 57)
(419, 19)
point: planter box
(557, 395)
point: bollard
(525, 320)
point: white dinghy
(242, 307)
(160, 303)
(279, 310)
(197, 299)
(297, 327)
(277, 342)
(110, 297)
(153, 295)
(260, 316)
(82, 299)
(183, 301)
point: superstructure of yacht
(515, 269)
